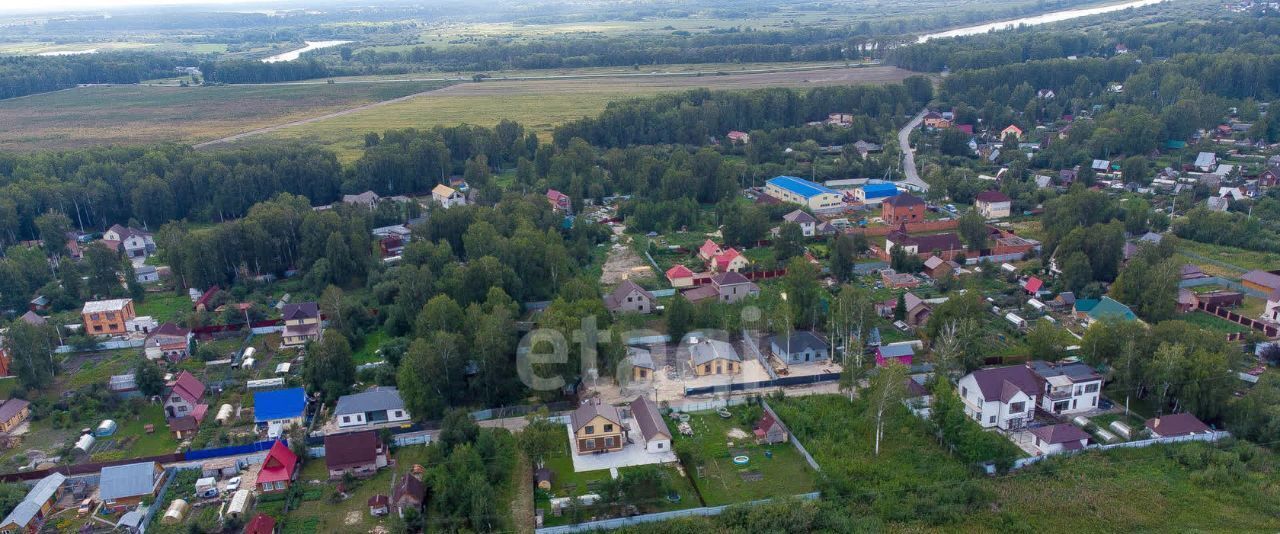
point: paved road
(908, 156)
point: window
(1095, 401)
(608, 428)
(644, 373)
(608, 443)
(346, 418)
(706, 368)
(1079, 390)
(660, 444)
(591, 429)
(993, 419)
(399, 413)
(589, 444)
(1018, 407)
(964, 393)
(1091, 388)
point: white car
(233, 485)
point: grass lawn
(132, 431)
(1244, 259)
(369, 350)
(722, 482)
(1213, 323)
(352, 514)
(100, 367)
(164, 307)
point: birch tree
(886, 388)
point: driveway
(909, 156)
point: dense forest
(25, 75)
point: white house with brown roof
(652, 429)
(808, 223)
(1067, 388)
(993, 204)
(629, 297)
(135, 243)
(1001, 397)
(1062, 437)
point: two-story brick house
(107, 317)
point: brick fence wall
(912, 228)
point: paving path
(908, 156)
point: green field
(1213, 323)
(784, 473)
(1237, 257)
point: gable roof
(708, 350)
(1033, 284)
(1206, 159)
(1064, 433)
(904, 200)
(1004, 382)
(679, 271)
(648, 419)
(378, 399)
(1178, 424)
(130, 480)
(801, 340)
(260, 524)
(1262, 278)
(640, 357)
(279, 464)
(301, 310)
(896, 350)
(1107, 307)
(799, 217)
(991, 196)
(11, 408)
(30, 506)
(354, 448)
(590, 410)
(614, 300)
(188, 387)
(278, 404)
(709, 248)
(32, 318)
(724, 259)
(170, 329)
(441, 190)
(927, 243)
(411, 487)
(729, 279)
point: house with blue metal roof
(875, 193)
(287, 407)
(800, 191)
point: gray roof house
(708, 350)
(378, 405)
(30, 508)
(128, 481)
(629, 297)
(653, 429)
(805, 346)
(1205, 161)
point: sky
(46, 6)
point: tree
(920, 88)
(101, 264)
(900, 308)
(328, 368)
(804, 294)
(457, 428)
(431, 374)
(884, 392)
(149, 378)
(972, 228)
(440, 314)
(1046, 341)
(679, 317)
(31, 353)
(53, 227)
(1256, 415)
(540, 437)
(843, 257)
(790, 242)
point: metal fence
(707, 511)
(785, 381)
(753, 346)
(1208, 436)
(794, 440)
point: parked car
(233, 485)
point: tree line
(26, 75)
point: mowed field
(125, 115)
(540, 105)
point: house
(447, 197)
(1053, 439)
(918, 311)
(802, 346)
(559, 201)
(1179, 424)
(902, 209)
(641, 361)
(597, 428)
(769, 430)
(680, 276)
(32, 319)
(261, 524)
(107, 317)
(945, 245)
(30, 513)
(12, 413)
(863, 148)
(1045, 94)
(936, 267)
(843, 120)
(714, 357)
(1013, 130)
(367, 200)
(1262, 281)
(808, 223)
(993, 204)
(1100, 165)
(379, 505)
(124, 386)
(381, 404)
(145, 274)
(135, 243)
(800, 191)
(728, 288)
(1067, 388)
(286, 407)
(875, 193)
(729, 261)
(183, 427)
(278, 470)
(900, 353)
(1206, 161)
(936, 121)
(709, 250)
(182, 397)
(359, 454)
(653, 430)
(123, 486)
(1090, 310)
(168, 341)
(1219, 204)
(409, 494)
(739, 138)
(301, 324)
(896, 280)
(629, 297)
(1002, 397)
(1032, 285)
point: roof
(131, 480)
(279, 464)
(799, 216)
(443, 191)
(640, 357)
(125, 382)
(905, 200)
(1033, 284)
(729, 279)
(700, 293)
(614, 300)
(260, 524)
(374, 400)
(991, 196)
(188, 387)
(590, 410)
(879, 190)
(1003, 382)
(679, 271)
(1104, 308)
(33, 319)
(1206, 159)
(709, 248)
(927, 243)
(409, 486)
(708, 350)
(801, 340)
(725, 258)
(278, 404)
(896, 350)
(915, 389)
(648, 419)
(185, 423)
(1075, 371)
(99, 306)
(1179, 424)
(40, 493)
(556, 196)
(800, 186)
(353, 448)
(379, 501)
(170, 329)
(1060, 433)
(910, 300)
(1262, 278)
(301, 310)
(1012, 127)
(11, 408)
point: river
(1038, 19)
(295, 54)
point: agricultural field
(124, 115)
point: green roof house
(1106, 308)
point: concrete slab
(630, 455)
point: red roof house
(558, 200)
(1033, 285)
(730, 261)
(680, 276)
(708, 250)
(278, 469)
(260, 524)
